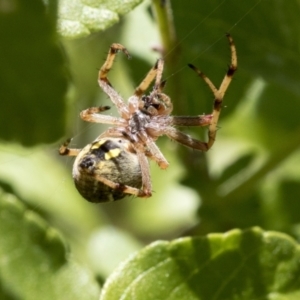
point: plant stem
(170, 49)
(164, 17)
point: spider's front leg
(156, 103)
(92, 115)
(113, 50)
(122, 188)
(154, 72)
(218, 93)
(185, 139)
(106, 85)
(202, 120)
(136, 102)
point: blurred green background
(250, 177)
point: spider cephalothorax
(116, 163)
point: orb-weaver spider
(116, 163)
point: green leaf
(51, 195)
(250, 264)
(266, 41)
(114, 245)
(34, 262)
(32, 75)
(81, 17)
(259, 122)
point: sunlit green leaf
(81, 17)
(250, 264)
(32, 75)
(34, 260)
(259, 119)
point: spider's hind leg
(126, 189)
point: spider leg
(124, 188)
(113, 50)
(92, 115)
(158, 103)
(113, 132)
(146, 177)
(134, 102)
(156, 71)
(151, 150)
(155, 154)
(203, 120)
(218, 93)
(64, 150)
(159, 84)
(106, 85)
(185, 139)
(232, 68)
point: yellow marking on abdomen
(112, 154)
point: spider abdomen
(103, 168)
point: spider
(116, 163)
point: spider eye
(157, 106)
